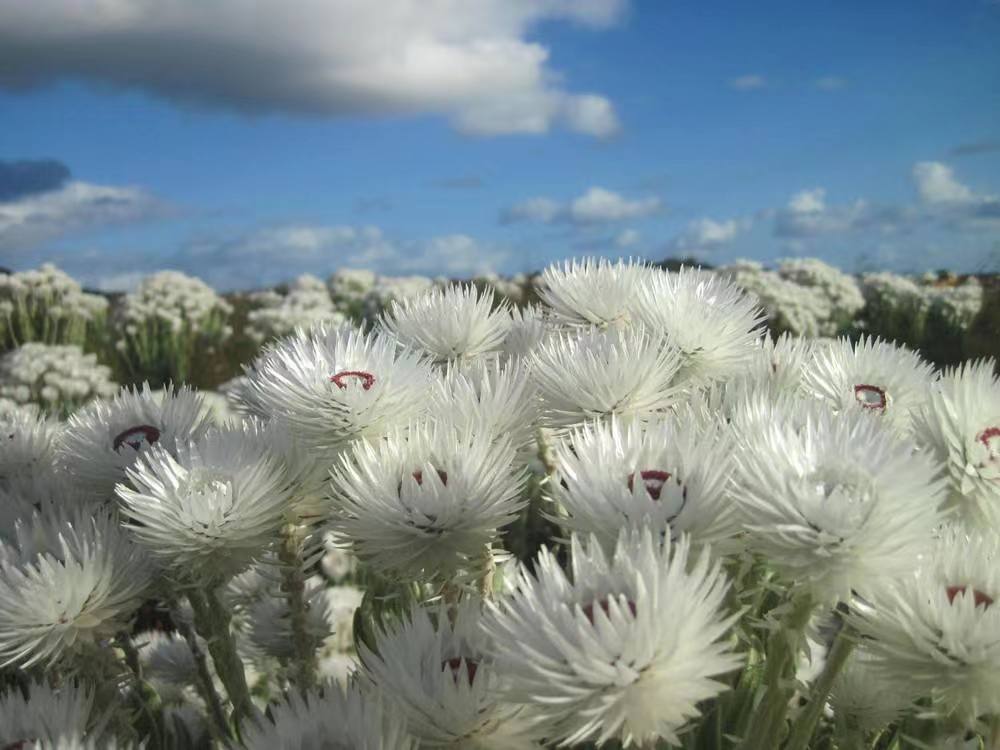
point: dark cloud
(975, 148)
(27, 177)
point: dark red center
(19, 744)
(418, 476)
(136, 437)
(870, 397)
(990, 438)
(978, 597)
(605, 604)
(654, 479)
(341, 379)
(455, 665)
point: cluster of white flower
(276, 315)
(48, 305)
(904, 309)
(625, 516)
(58, 378)
(160, 325)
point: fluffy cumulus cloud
(273, 254)
(471, 61)
(705, 235)
(808, 214)
(596, 206)
(71, 208)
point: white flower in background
(167, 664)
(779, 365)
(710, 320)
(335, 385)
(59, 379)
(594, 291)
(873, 377)
(455, 324)
(937, 629)
(103, 439)
(351, 284)
(960, 426)
(436, 669)
(528, 328)
(85, 587)
(269, 619)
(496, 398)
(835, 503)
(389, 289)
(340, 718)
(337, 563)
(426, 501)
(26, 447)
(957, 305)
(47, 305)
(171, 297)
(512, 288)
(46, 716)
(863, 696)
(820, 278)
(670, 475)
(306, 303)
(581, 377)
(626, 650)
(211, 507)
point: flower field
(613, 504)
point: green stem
(805, 725)
(779, 675)
(994, 738)
(150, 723)
(212, 620)
(294, 587)
(205, 685)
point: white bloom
(340, 718)
(83, 588)
(270, 619)
(710, 320)
(103, 439)
(593, 292)
(26, 447)
(937, 629)
(528, 328)
(334, 385)
(59, 378)
(960, 426)
(835, 503)
(167, 663)
(629, 372)
(455, 324)
(46, 716)
(211, 508)
(427, 500)
(872, 376)
(437, 670)
(306, 304)
(626, 650)
(668, 475)
(865, 697)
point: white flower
(437, 670)
(167, 663)
(863, 696)
(428, 500)
(872, 376)
(499, 399)
(625, 651)
(83, 585)
(210, 509)
(669, 475)
(59, 378)
(937, 629)
(334, 385)
(528, 328)
(594, 291)
(270, 619)
(103, 439)
(629, 372)
(340, 718)
(710, 320)
(455, 324)
(835, 503)
(26, 447)
(779, 365)
(960, 425)
(306, 304)
(46, 716)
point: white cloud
(936, 183)
(749, 82)
(273, 254)
(627, 238)
(596, 206)
(708, 234)
(808, 201)
(74, 207)
(831, 83)
(471, 61)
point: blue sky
(451, 137)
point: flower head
(46, 716)
(625, 650)
(593, 291)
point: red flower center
(136, 437)
(418, 476)
(978, 597)
(990, 438)
(341, 379)
(605, 604)
(455, 665)
(871, 397)
(654, 479)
